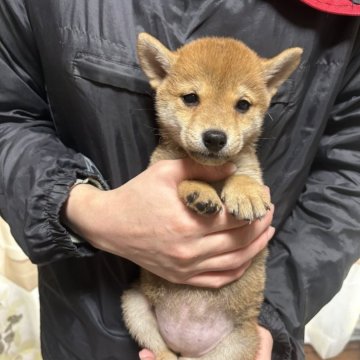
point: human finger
(217, 279)
(234, 259)
(240, 237)
(266, 344)
(210, 245)
(146, 354)
(223, 221)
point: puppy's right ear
(155, 59)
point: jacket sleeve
(36, 169)
(312, 253)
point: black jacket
(74, 104)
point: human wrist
(79, 209)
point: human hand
(266, 344)
(145, 221)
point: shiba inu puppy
(211, 98)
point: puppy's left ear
(279, 68)
(155, 59)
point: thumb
(187, 169)
(146, 355)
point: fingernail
(144, 355)
(231, 167)
(271, 232)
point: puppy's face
(213, 100)
(212, 94)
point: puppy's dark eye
(242, 106)
(191, 99)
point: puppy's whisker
(143, 109)
(272, 119)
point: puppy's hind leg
(141, 322)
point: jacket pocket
(111, 72)
(114, 106)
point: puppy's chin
(210, 159)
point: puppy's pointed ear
(155, 59)
(280, 67)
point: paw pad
(207, 207)
(200, 197)
(192, 197)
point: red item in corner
(340, 7)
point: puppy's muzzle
(214, 140)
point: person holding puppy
(76, 118)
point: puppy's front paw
(200, 197)
(245, 198)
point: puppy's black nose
(214, 140)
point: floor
(352, 352)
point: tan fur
(221, 71)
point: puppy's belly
(192, 331)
